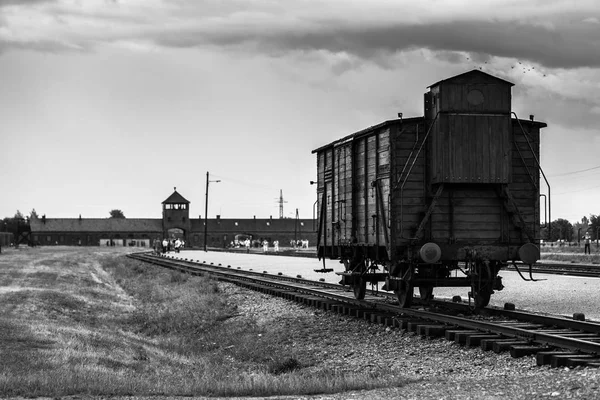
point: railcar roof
(524, 122)
(369, 130)
(147, 225)
(474, 72)
(528, 122)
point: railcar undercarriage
(402, 277)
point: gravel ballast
(436, 368)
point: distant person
(276, 245)
(247, 245)
(165, 245)
(177, 245)
(587, 241)
(265, 244)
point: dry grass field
(89, 321)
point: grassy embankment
(87, 321)
(570, 254)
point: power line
(575, 191)
(575, 172)
(243, 182)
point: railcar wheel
(482, 286)
(405, 295)
(482, 299)
(360, 288)
(426, 293)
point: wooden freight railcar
(410, 200)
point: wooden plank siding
(467, 213)
(408, 202)
(372, 165)
(470, 148)
(343, 206)
(454, 97)
(345, 174)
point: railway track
(555, 341)
(570, 269)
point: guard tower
(176, 217)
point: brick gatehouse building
(175, 222)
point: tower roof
(175, 198)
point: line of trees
(561, 229)
(18, 225)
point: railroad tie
(527, 350)
(313, 301)
(356, 312)
(392, 321)
(592, 363)
(501, 346)
(326, 304)
(545, 357)
(403, 322)
(488, 344)
(475, 340)
(561, 360)
(413, 326)
(451, 333)
(432, 331)
(370, 314)
(380, 318)
(460, 337)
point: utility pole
(206, 210)
(296, 225)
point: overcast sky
(111, 103)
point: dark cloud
(563, 42)
(24, 2)
(569, 46)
